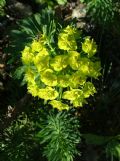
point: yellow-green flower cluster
(66, 39)
(61, 77)
(89, 47)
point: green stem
(45, 102)
(60, 92)
(51, 48)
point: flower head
(88, 89)
(62, 75)
(36, 46)
(75, 96)
(77, 79)
(27, 55)
(66, 39)
(89, 47)
(33, 89)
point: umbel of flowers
(61, 75)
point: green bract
(60, 74)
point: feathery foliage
(101, 11)
(27, 30)
(2, 5)
(60, 135)
(15, 143)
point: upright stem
(60, 92)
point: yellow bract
(75, 96)
(94, 69)
(48, 93)
(77, 79)
(70, 30)
(63, 80)
(33, 89)
(66, 39)
(72, 94)
(49, 78)
(36, 46)
(84, 66)
(88, 89)
(59, 105)
(41, 62)
(79, 102)
(74, 57)
(89, 47)
(29, 76)
(59, 62)
(27, 55)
